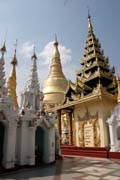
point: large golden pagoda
(11, 84)
(54, 88)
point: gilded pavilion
(85, 105)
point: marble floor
(70, 168)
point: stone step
(114, 155)
(85, 151)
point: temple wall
(90, 122)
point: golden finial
(88, 12)
(56, 42)
(3, 49)
(34, 54)
(118, 87)
(14, 60)
(90, 28)
(55, 51)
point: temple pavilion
(85, 105)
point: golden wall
(90, 123)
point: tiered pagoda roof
(95, 69)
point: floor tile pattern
(70, 168)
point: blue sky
(34, 22)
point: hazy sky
(34, 22)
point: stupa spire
(56, 67)
(54, 88)
(2, 73)
(33, 82)
(31, 94)
(11, 84)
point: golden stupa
(11, 84)
(54, 88)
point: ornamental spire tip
(14, 60)
(34, 53)
(56, 41)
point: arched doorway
(118, 133)
(2, 132)
(39, 145)
(57, 145)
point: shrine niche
(2, 116)
(118, 133)
(89, 130)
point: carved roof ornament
(87, 116)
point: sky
(35, 23)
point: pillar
(9, 148)
(112, 137)
(23, 143)
(70, 129)
(59, 122)
(31, 152)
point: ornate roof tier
(95, 74)
(95, 68)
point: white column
(33, 103)
(23, 150)
(9, 153)
(112, 137)
(52, 145)
(31, 149)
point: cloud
(26, 49)
(46, 54)
(44, 60)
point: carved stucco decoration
(93, 119)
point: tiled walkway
(71, 168)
